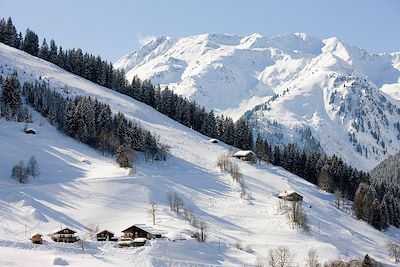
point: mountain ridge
(234, 74)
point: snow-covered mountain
(340, 94)
(81, 188)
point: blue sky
(113, 28)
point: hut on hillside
(36, 238)
(106, 235)
(245, 155)
(30, 131)
(290, 196)
(64, 234)
(213, 141)
(142, 230)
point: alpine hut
(36, 238)
(290, 196)
(245, 155)
(141, 230)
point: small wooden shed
(36, 238)
(142, 230)
(30, 131)
(290, 196)
(64, 234)
(105, 235)
(245, 155)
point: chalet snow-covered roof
(56, 231)
(36, 234)
(149, 229)
(139, 239)
(30, 130)
(213, 140)
(104, 230)
(286, 193)
(243, 153)
(126, 241)
(146, 228)
(290, 195)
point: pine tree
(277, 156)
(10, 34)
(70, 126)
(44, 52)
(31, 43)
(3, 30)
(53, 56)
(11, 102)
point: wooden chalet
(106, 235)
(213, 141)
(290, 196)
(141, 230)
(36, 238)
(64, 234)
(139, 241)
(245, 155)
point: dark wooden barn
(30, 131)
(245, 155)
(290, 196)
(106, 235)
(141, 230)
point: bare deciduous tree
(178, 203)
(338, 199)
(153, 211)
(312, 259)
(223, 162)
(32, 167)
(297, 215)
(278, 257)
(226, 164)
(92, 231)
(175, 202)
(202, 227)
(394, 250)
(170, 200)
(19, 173)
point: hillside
(388, 170)
(80, 188)
(290, 79)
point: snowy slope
(234, 74)
(72, 192)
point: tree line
(92, 122)
(82, 64)
(97, 70)
(11, 106)
(330, 173)
(376, 201)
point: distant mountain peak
(326, 85)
